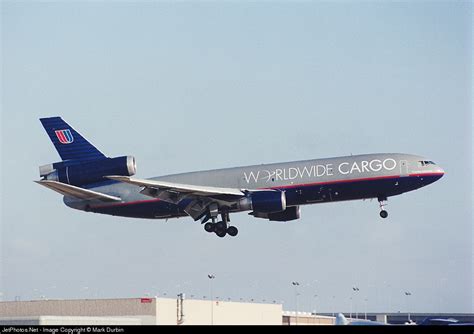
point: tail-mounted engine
(80, 172)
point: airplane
(92, 182)
(437, 321)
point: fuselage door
(403, 168)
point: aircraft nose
(440, 170)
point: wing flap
(80, 193)
(200, 197)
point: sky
(186, 86)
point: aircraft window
(426, 163)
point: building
(305, 318)
(175, 311)
(146, 311)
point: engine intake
(85, 172)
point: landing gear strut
(382, 202)
(221, 228)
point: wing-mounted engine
(291, 213)
(265, 201)
(80, 172)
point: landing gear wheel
(382, 202)
(232, 231)
(221, 226)
(221, 233)
(209, 227)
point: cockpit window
(426, 163)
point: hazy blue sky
(191, 86)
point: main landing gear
(382, 203)
(221, 228)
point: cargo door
(403, 168)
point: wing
(81, 193)
(179, 187)
(200, 197)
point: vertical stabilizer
(341, 320)
(68, 142)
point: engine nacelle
(264, 201)
(84, 172)
(291, 213)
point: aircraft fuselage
(304, 182)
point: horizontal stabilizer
(80, 193)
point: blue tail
(69, 143)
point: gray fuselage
(304, 182)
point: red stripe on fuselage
(351, 180)
(427, 174)
(295, 186)
(290, 186)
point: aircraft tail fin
(341, 320)
(68, 142)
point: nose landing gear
(382, 203)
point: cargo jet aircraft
(92, 182)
